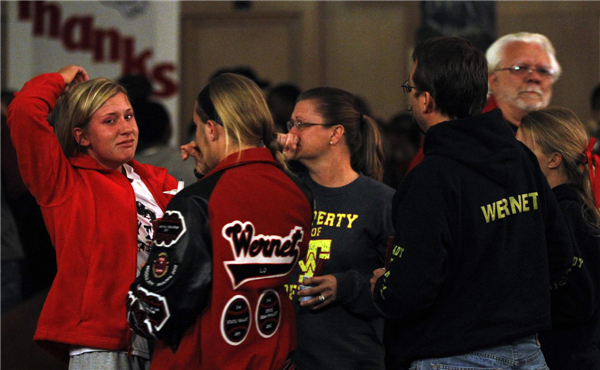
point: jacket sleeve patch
(159, 271)
(170, 229)
(147, 312)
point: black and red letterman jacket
(212, 291)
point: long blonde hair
(76, 108)
(559, 130)
(240, 107)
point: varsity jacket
(573, 341)
(91, 216)
(212, 292)
(479, 242)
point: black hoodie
(575, 336)
(479, 242)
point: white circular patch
(235, 320)
(268, 313)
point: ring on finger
(321, 298)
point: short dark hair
(454, 72)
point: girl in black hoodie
(559, 140)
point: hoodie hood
(484, 143)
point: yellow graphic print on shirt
(308, 266)
(317, 249)
(334, 219)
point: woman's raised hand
(73, 75)
(192, 149)
(288, 144)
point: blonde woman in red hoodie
(98, 204)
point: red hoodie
(91, 216)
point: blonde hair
(77, 107)
(243, 112)
(559, 130)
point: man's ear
(555, 161)
(80, 136)
(492, 80)
(426, 102)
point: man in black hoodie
(480, 240)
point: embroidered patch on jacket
(170, 228)
(259, 256)
(159, 270)
(147, 312)
(137, 317)
(236, 320)
(160, 266)
(268, 313)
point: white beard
(526, 105)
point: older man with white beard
(522, 69)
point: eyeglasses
(301, 125)
(406, 86)
(525, 69)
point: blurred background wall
(363, 47)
